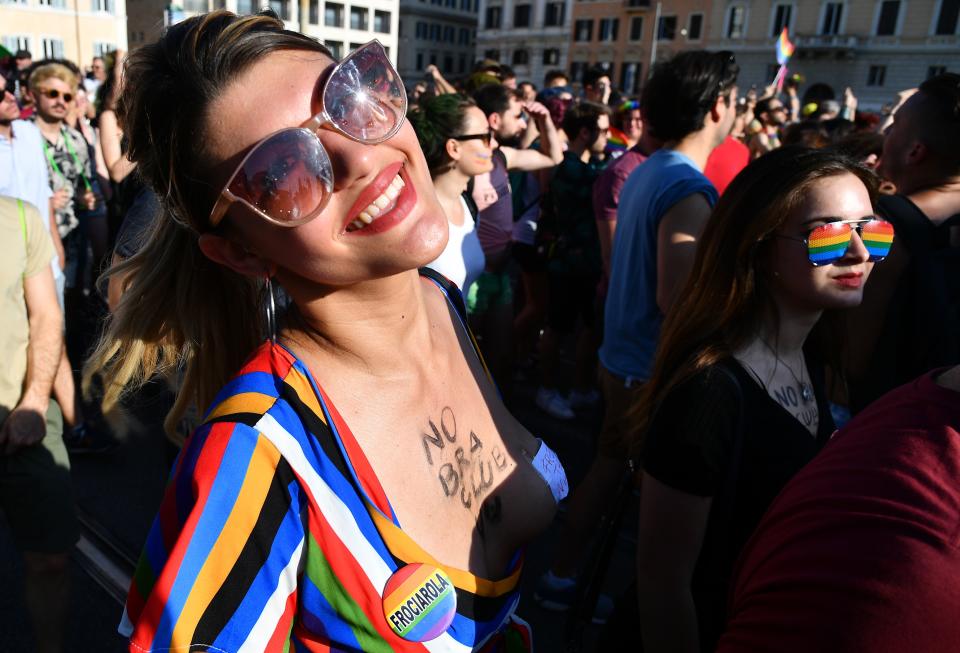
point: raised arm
(118, 165)
(551, 147)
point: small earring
(271, 310)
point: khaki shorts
(36, 494)
(619, 434)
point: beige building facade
(619, 36)
(65, 29)
(876, 47)
(342, 26)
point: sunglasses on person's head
(485, 137)
(287, 177)
(829, 243)
(53, 94)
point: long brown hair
(728, 293)
(180, 311)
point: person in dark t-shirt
(859, 552)
(736, 404)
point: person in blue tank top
(689, 104)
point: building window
(448, 63)
(333, 14)
(576, 70)
(551, 57)
(421, 30)
(433, 58)
(102, 48)
(947, 19)
(335, 47)
(494, 16)
(781, 18)
(462, 63)
(887, 20)
(492, 54)
(520, 58)
(54, 4)
(14, 42)
(357, 46)
(583, 30)
(521, 16)
(103, 5)
(419, 61)
(933, 71)
(609, 28)
(449, 34)
(244, 7)
(358, 18)
(636, 28)
(832, 15)
(435, 33)
(736, 22)
(667, 30)
(463, 36)
(381, 21)
(282, 8)
(52, 48)
(555, 14)
(314, 17)
(876, 76)
(695, 27)
(630, 77)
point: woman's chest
(461, 483)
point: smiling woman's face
(388, 183)
(839, 284)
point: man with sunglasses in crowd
(771, 114)
(491, 297)
(53, 87)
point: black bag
(921, 328)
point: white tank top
(462, 260)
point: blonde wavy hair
(181, 313)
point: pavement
(118, 494)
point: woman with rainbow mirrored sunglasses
(737, 401)
(356, 482)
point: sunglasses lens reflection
(878, 239)
(828, 243)
(364, 97)
(288, 177)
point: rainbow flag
(784, 48)
(616, 141)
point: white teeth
(379, 205)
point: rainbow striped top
(275, 534)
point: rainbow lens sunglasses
(287, 177)
(828, 243)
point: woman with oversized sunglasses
(356, 483)
(736, 404)
(458, 145)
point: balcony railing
(827, 41)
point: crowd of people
(343, 278)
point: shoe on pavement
(558, 594)
(84, 439)
(550, 402)
(587, 399)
